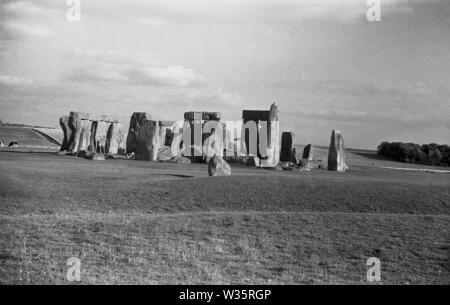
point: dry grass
(158, 223)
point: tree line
(430, 154)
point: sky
(323, 63)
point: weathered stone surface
(67, 131)
(287, 166)
(136, 122)
(147, 141)
(197, 130)
(305, 164)
(205, 115)
(336, 153)
(177, 145)
(165, 154)
(80, 125)
(268, 146)
(165, 133)
(255, 115)
(115, 139)
(86, 132)
(182, 160)
(287, 147)
(218, 167)
(84, 154)
(308, 153)
(96, 157)
(252, 161)
(213, 144)
(99, 132)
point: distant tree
(433, 153)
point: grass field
(29, 138)
(149, 222)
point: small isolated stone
(97, 157)
(165, 154)
(305, 165)
(218, 167)
(182, 160)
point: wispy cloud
(118, 67)
(14, 80)
(24, 18)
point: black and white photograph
(225, 143)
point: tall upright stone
(195, 134)
(288, 147)
(115, 139)
(266, 135)
(177, 145)
(99, 132)
(336, 153)
(136, 121)
(213, 144)
(147, 141)
(165, 133)
(308, 152)
(80, 124)
(67, 131)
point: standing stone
(147, 141)
(136, 121)
(287, 147)
(308, 152)
(213, 144)
(194, 136)
(80, 124)
(267, 135)
(218, 167)
(165, 133)
(115, 139)
(336, 153)
(64, 122)
(99, 135)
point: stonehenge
(86, 132)
(336, 153)
(199, 137)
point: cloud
(24, 18)
(27, 29)
(153, 22)
(14, 80)
(121, 68)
